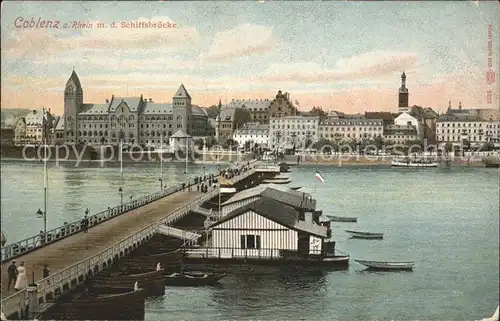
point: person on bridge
(22, 279)
(12, 271)
(46, 272)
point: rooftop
(278, 212)
(277, 192)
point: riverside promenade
(71, 258)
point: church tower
(181, 109)
(73, 101)
(403, 95)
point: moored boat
(379, 265)
(99, 303)
(152, 282)
(342, 218)
(296, 188)
(408, 162)
(365, 235)
(491, 161)
(276, 181)
(193, 278)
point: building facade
(262, 110)
(349, 129)
(229, 120)
(133, 120)
(289, 131)
(467, 129)
(33, 128)
(265, 227)
(407, 119)
(252, 133)
(400, 134)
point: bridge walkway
(77, 247)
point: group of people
(18, 277)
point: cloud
(374, 64)
(244, 40)
(41, 43)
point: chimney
(150, 100)
(460, 105)
(107, 101)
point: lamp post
(44, 216)
(120, 190)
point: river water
(447, 220)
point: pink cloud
(368, 65)
(244, 40)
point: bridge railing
(22, 247)
(77, 273)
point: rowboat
(193, 278)
(365, 235)
(152, 281)
(342, 219)
(296, 188)
(377, 265)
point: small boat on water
(409, 162)
(152, 281)
(342, 218)
(277, 180)
(193, 278)
(491, 161)
(377, 265)
(365, 235)
(494, 317)
(296, 188)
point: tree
(248, 145)
(448, 147)
(317, 111)
(320, 143)
(210, 141)
(200, 143)
(230, 143)
(487, 147)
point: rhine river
(447, 220)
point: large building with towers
(134, 120)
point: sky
(342, 55)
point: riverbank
(367, 161)
(72, 153)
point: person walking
(12, 272)
(46, 272)
(22, 279)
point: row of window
(366, 135)
(292, 127)
(459, 138)
(464, 131)
(349, 128)
(294, 120)
(478, 124)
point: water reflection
(254, 294)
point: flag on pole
(319, 177)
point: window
(250, 241)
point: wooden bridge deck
(80, 246)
